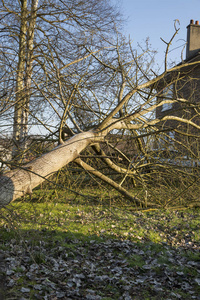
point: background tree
(39, 39)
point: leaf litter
(156, 257)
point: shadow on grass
(56, 264)
(87, 251)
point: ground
(86, 251)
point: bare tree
(44, 37)
(103, 95)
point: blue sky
(155, 19)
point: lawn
(57, 246)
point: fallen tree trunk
(18, 182)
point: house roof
(188, 65)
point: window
(171, 134)
(168, 93)
(166, 140)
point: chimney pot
(197, 22)
(191, 21)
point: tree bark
(17, 183)
(19, 116)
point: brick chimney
(193, 39)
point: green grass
(58, 218)
(135, 261)
(98, 218)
